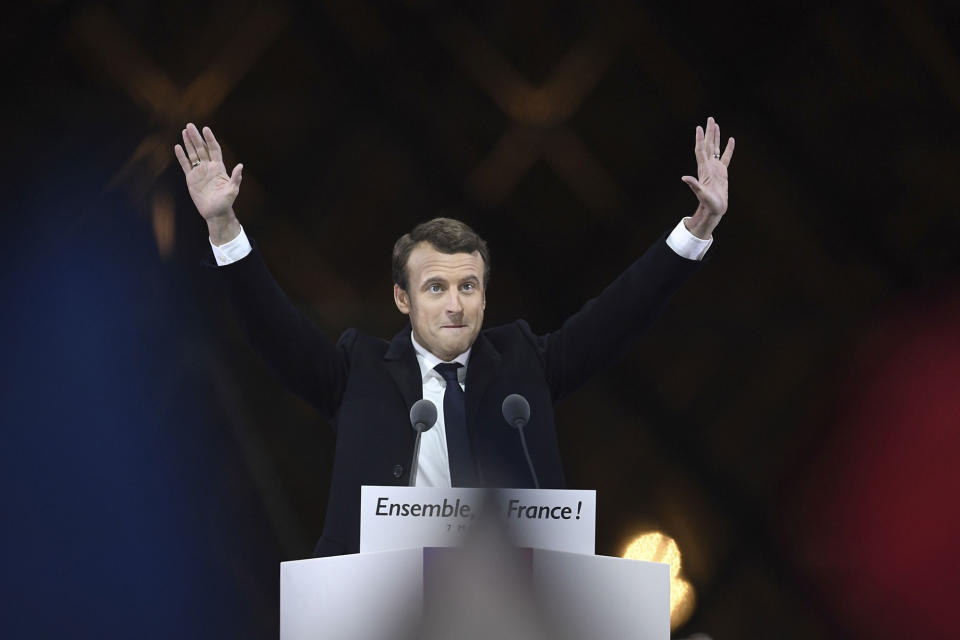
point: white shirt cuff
(685, 244)
(232, 251)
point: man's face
(445, 300)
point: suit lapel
(401, 363)
(483, 367)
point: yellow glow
(682, 601)
(164, 222)
(655, 547)
(658, 547)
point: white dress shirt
(433, 464)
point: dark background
(791, 420)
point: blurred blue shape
(127, 512)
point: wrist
(223, 228)
(702, 223)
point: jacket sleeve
(304, 359)
(606, 327)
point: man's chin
(454, 348)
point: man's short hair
(446, 235)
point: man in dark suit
(365, 386)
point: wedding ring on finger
(716, 156)
(197, 163)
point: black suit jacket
(365, 386)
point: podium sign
(410, 517)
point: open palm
(212, 190)
(710, 185)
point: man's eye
(434, 288)
(467, 286)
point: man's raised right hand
(212, 190)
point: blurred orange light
(655, 546)
(164, 222)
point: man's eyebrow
(432, 279)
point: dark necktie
(462, 473)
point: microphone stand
(416, 458)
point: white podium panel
(381, 595)
(334, 598)
(603, 597)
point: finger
(216, 154)
(708, 135)
(716, 137)
(237, 174)
(700, 147)
(190, 149)
(694, 185)
(713, 141)
(181, 158)
(728, 152)
(198, 142)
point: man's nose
(454, 304)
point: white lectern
(529, 592)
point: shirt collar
(428, 361)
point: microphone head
(423, 415)
(516, 410)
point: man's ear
(401, 299)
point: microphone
(423, 415)
(516, 411)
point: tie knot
(449, 371)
